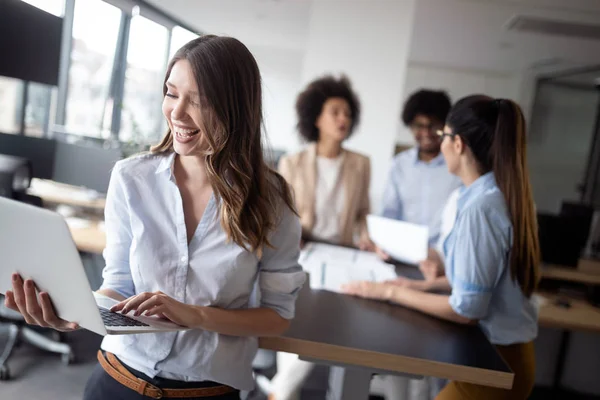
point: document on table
(331, 266)
(403, 241)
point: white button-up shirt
(147, 251)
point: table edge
(389, 362)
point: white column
(369, 41)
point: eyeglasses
(441, 134)
(416, 126)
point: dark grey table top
(337, 328)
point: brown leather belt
(118, 372)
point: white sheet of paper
(331, 266)
(403, 241)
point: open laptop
(37, 244)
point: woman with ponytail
(492, 254)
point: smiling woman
(216, 113)
(192, 228)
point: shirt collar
(166, 163)
(436, 161)
(480, 186)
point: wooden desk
(581, 316)
(61, 193)
(90, 239)
(367, 336)
(557, 272)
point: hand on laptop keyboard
(116, 319)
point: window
(141, 115)
(179, 37)
(11, 95)
(40, 99)
(54, 7)
(95, 33)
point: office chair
(19, 332)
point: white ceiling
(472, 34)
(467, 34)
(279, 24)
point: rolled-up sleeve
(280, 274)
(480, 256)
(117, 272)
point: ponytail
(494, 130)
(509, 164)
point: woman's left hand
(369, 290)
(160, 305)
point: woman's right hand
(35, 308)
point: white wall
(458, 83)
(281, 72)
(369, 42)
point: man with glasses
(417, 189)
(419, 182)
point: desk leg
(348, 384)
(562, 355)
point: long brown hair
(250, 194)
(494, 130)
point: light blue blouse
(478, 266)
(147, 251)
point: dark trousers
(102, 386)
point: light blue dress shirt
(416, 191)
(147, 251)
(478, 266)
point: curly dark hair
(434, 104)
(310, 104)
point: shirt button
(184, 259)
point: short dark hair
(309, 104)
(431, 103)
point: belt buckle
(159, 394)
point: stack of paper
(330, 267)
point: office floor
(41, 376)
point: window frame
(129, 8)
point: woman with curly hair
(331, 184)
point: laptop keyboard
(115, 319)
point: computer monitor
(560, 239)
(39, 151)
(584, 214)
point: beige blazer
(300, 171)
